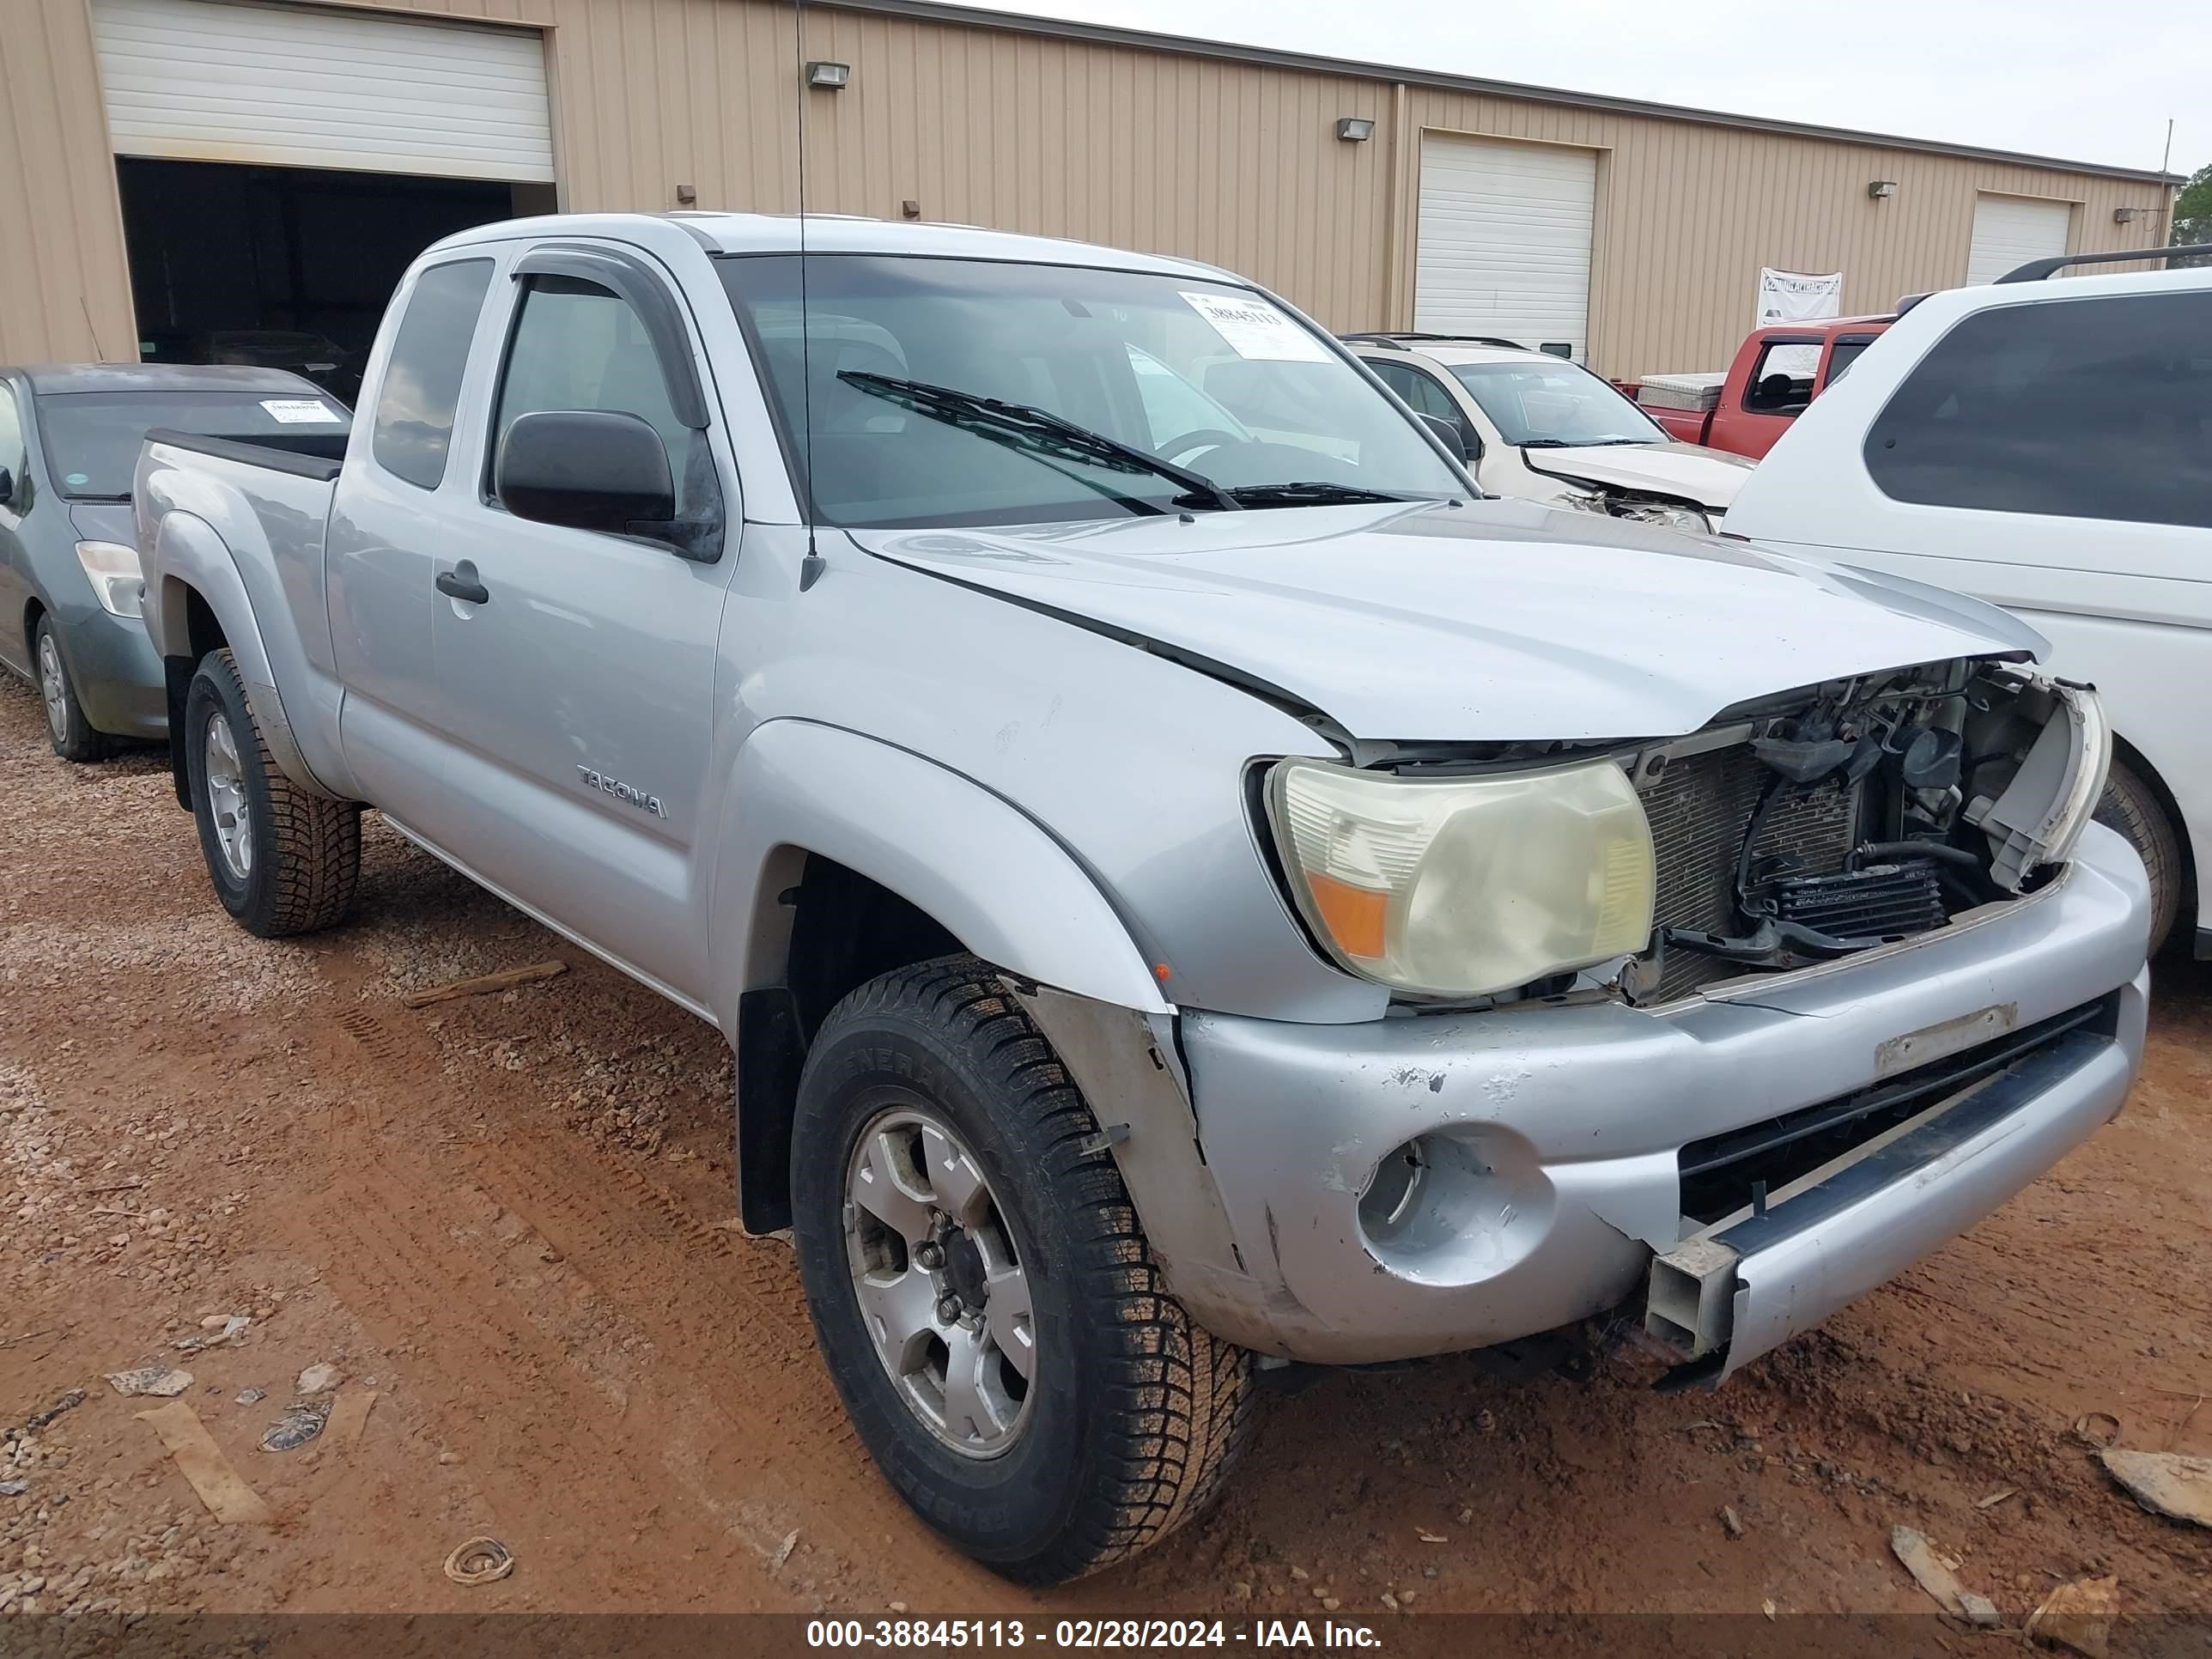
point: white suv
(1546, 429)
(2047, 445)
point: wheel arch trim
(191, 557)
(986, 871)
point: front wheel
(982, 1293)
(67, 726)
(282, 861)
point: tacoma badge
(621, 791)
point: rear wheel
(67, 728)
(282, 861)
(2131, 806)
(982, 1289)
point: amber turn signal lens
(1354, 916)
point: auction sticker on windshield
(1256, 329)
(301, 411)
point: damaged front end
(1792, 830)
(1859, 814)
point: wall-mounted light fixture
(1882, 189)
(831, 77)
(2126, 215)
(1355, 129)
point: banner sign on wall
(1790, 296)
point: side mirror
(1454, 438)
(7, 487)
(587, 469)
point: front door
(575, 669)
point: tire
(1132, 1417)
(2131, 806)
(67, 728)
(294, 864)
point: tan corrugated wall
(64, 286)
(1687, 213)
(1233, 162)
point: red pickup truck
(1778, 371)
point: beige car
(1546, 429)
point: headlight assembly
(1672, 514)
(2043, 811)
(1459, 887)
(1667, 513)
(113, 569)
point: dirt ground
(510, 1219)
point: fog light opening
(1439, 1207)
(1394, 1192)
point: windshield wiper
(1578, 443)
(1035, 431)
(1309, 492)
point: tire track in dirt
(524, 1363)
(729, 1312)
(718, 1363)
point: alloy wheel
(53, 687)
(226, 787)
(942, 1286)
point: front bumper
(1554, 1131)
(117, 671)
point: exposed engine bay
(1858, 813)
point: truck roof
(50, 377)
(780, 233)
(1820, 326)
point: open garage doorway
(284, 267)
(281, 166)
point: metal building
(194, 177)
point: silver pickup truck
(1192, 886)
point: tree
(2192, 208)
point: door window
(2090, 409)
(422, 381)
(1782, 380)
(11, 435)
(1845, 352)
(1424, 396)
(577, 346)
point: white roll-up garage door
(2010, 230)
(1504, 245)
(207, 81)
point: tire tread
(1181, 1402)
(316, 870)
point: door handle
(460, 583)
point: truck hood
(1497, 621)
(1690, 472)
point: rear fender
(189, 556)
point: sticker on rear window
(76, 478)
(301, 411)
(1256, 329)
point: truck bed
(306, 455)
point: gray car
(69, 436)
(1193, 886)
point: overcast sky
(2082, 79)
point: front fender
(188, 553)
(986, 871)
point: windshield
(93, 438)
(1212, 380)
(1555, 405)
